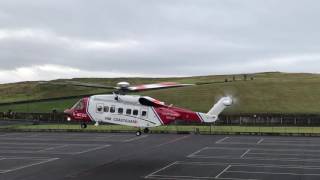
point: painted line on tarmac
(54, 147)
(245, 153)
(159, 170)
(173, 141)
(260, 141)
(223, 171)
(271, 144)
(92, 149)
(247, 164)
(135, 138)
(29, 165)
(221, 140)
(261, 149)
(257, 158)
(274, 173)
(197, 152)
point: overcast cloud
(47, 39)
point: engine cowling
(148, 101)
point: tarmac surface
(69, 156)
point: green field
(267, 93)
(169, 129)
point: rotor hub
(123, 85)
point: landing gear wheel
(146, 130)
(138, 133)
(83, 125)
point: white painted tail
(220, 106)
(214, 112)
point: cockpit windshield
(79, 105)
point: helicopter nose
(68, 113)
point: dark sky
(50, 39)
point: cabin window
(99, 108)
(120, 110)
(144, 113)
(128, 111)
(106, 108)
(112, 109)
(135, 112)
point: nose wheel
(138, 133)
(83, 125)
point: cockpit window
(79, 105)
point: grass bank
(267, 93)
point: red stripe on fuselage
(157, 115)
(170, 114)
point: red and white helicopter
(142, 112)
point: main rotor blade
(145, 87)
(93, 85)
(76, 83)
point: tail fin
(214, 112)
(220, 106)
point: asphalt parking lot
(157, 156)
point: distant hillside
(268, 92)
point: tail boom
(168, 114)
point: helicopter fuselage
(132, 110)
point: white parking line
(84, 139)
(274, 173)
(284, 138)
(223, 171)
(271, 144)
(221, 140)
(260, 141)
(167, 166)
(92, 149)
(302, 154)
(29, 165)
(262, 149)
(290, 141)
(135, 138)
(245, 153)
(45, 144)
(228, 169)
(173, 141)
(257, 158)
(54, 147)
(33, 135)
(247, 165)
(6, 134)
(179, 177)
(193, 154)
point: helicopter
(142, 112)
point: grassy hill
(268, 92)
